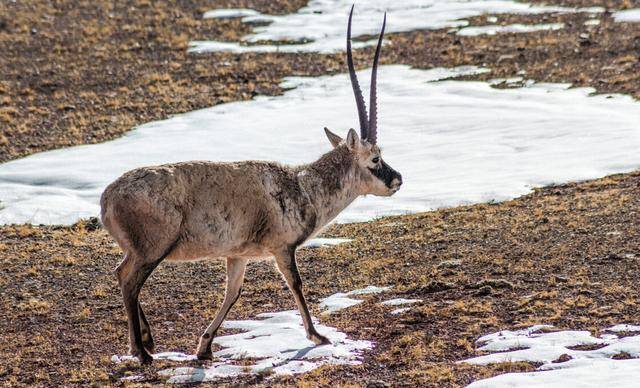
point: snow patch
(511, 28)
(584, 368)
(400, 310)
(627, 15)
(228, 13)
(278, 344)
(455, 142)
(342, 300)
(320, 26)
(400, 301)
(506, 81)
(171, 356)
(624, 328)
(325, 242)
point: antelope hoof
(205, 356)
(204, 348)
(144, 357)
(149, 346)
(319, 339)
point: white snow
(342, 300)
(400, 301)
(592, 22)
(325, 242)
(455, 142)
(369, 290)
(400, 310)
(230, 13)
(321, 25)
(278, 344)
(586, 368)
(171, 356)
(624, 327)
(627, 15)
(506, 81)
(512, 28)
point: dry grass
(563, 255)
(82, 72)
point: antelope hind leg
(131, 275)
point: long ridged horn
(362, 109)
(373, 103)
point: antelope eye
(375, 160)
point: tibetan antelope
(239, 212)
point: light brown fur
(239, 211)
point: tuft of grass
(65, 261)
(99, 292)
(35, 306)
(85, 313)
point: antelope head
(377, 176)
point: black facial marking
(385, 173)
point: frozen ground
(497, 29)
(275, 344)
(563, 365)
(342, 300)
(400, 302)
(627, 15)
(326, 241)
(455, 142)
(320, 26)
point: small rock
(561, 279)
(563, 358)
(622, 356)
(585, 291)
(495, 283)
(449, 264)
(67, 108)
(435, 286)
(584, 39)
(484, 291)
(504, 57)
(447, 272)
(613, 257)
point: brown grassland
(76, 72)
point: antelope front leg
(235, 278)
(286, 262)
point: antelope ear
(333, 138)
(353, 141)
